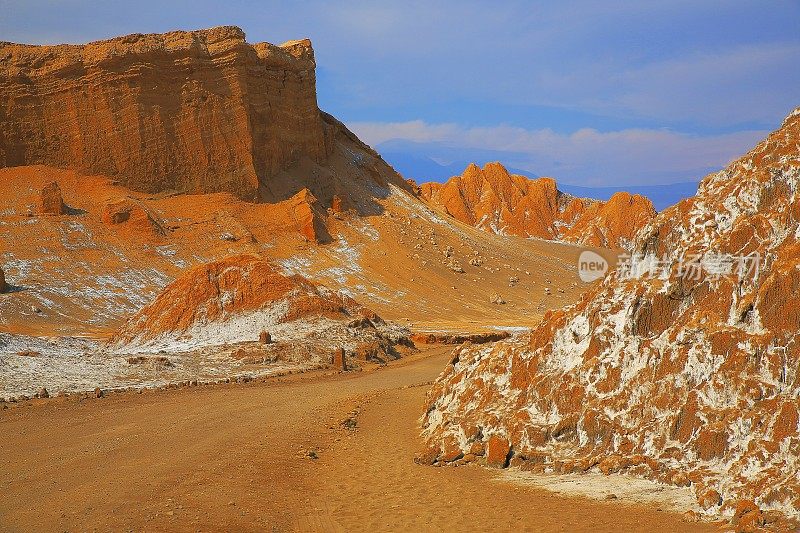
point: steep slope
(492, 199)
(200, 111)
(686, 371)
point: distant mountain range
(410, 160)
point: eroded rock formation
(687, 372)
(232, 300)
(492, 199)
(199, 111)
(50, 200)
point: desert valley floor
(307, 453)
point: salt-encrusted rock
(687, 376)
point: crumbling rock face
(199, 111)
(492, 199)
(685, 375)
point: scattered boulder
(3, 285)
(132, 214)
(265, 338)
(497, 451)
(98, 392)
(709, 499)
(308, 220)
(455, 266)
(747, 517)
(339, 360)
(50, 200)
(496, 299)
(43, 393)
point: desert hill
(244, 297)
(494, 200)
(685, 372)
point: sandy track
(236, 458)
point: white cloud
(586, 156)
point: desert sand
(240, 457)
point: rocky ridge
(684, 368)
(494, 200)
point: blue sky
(592, 93)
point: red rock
(492, 199)
(132, 214)
(339, 360)
(308, 219)
(205, 140)
(709, 499)
(264, 337)
(337, 205)
(236, 285)
(50, 200)
(3, 285)
(497, 451)
(747, 517)
(428, 456)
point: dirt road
(272, 457)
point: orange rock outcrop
(50, 200)
(492, 199)
(234, 287)
(682, 366)
(199, 111)
(132, 214)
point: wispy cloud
(584, 157)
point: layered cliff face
(684, 369)
(508, 204)
(200, 111)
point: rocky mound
(508, 204)
(238, 299)
(686, 371)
